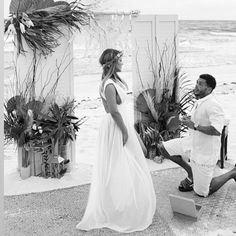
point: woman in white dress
(121, 195)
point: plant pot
(25, 172)
(35, 163)
(34, 158)
(63, 151)
(152, 152)
(19, 158)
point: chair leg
(222, 149)
(226, 147)
(221, 161)
(222, 158)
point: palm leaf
(151, 106)
(19, 6)
(27, 6)
(47, 17)
(72, 117)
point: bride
(121, 195)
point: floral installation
(163, 102)
(40, 22)
(42, 124)
(39, 124)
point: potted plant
(38, 127)
(58, 126)
(17, 125)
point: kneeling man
(202, 146)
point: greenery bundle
(40, 22)
(59, 124)
(160, 105)
(34, 123)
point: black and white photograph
(119, 117)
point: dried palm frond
(151, 105)
(41, 28)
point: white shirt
(205, 149)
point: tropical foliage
(59, 124)
(38, 124)
(43, 122)
(40, 22)
(161, 104)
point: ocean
(207, 43)
(204, 46)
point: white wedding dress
(121, 195)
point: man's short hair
(210, 80)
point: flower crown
(116, 58)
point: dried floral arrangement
(42, 124)
(38, 122)
(160, 105)
(40, 22)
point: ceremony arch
(139, 36)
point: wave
(217, 26)
(206, 65)
(232, 34)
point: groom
(203, 143)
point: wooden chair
(224, 142)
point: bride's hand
(124, 137)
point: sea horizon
(202, 44)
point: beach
(204, 47)
(91, 106)
(40, 206)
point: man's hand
(187, 121)
(209, 130)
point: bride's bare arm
(110, 94)
(105, 105)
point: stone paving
(57, 212)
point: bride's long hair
(108, 61)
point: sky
(185, 9)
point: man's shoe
(186, 185)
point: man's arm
(210, 130)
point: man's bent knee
(165, 153)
